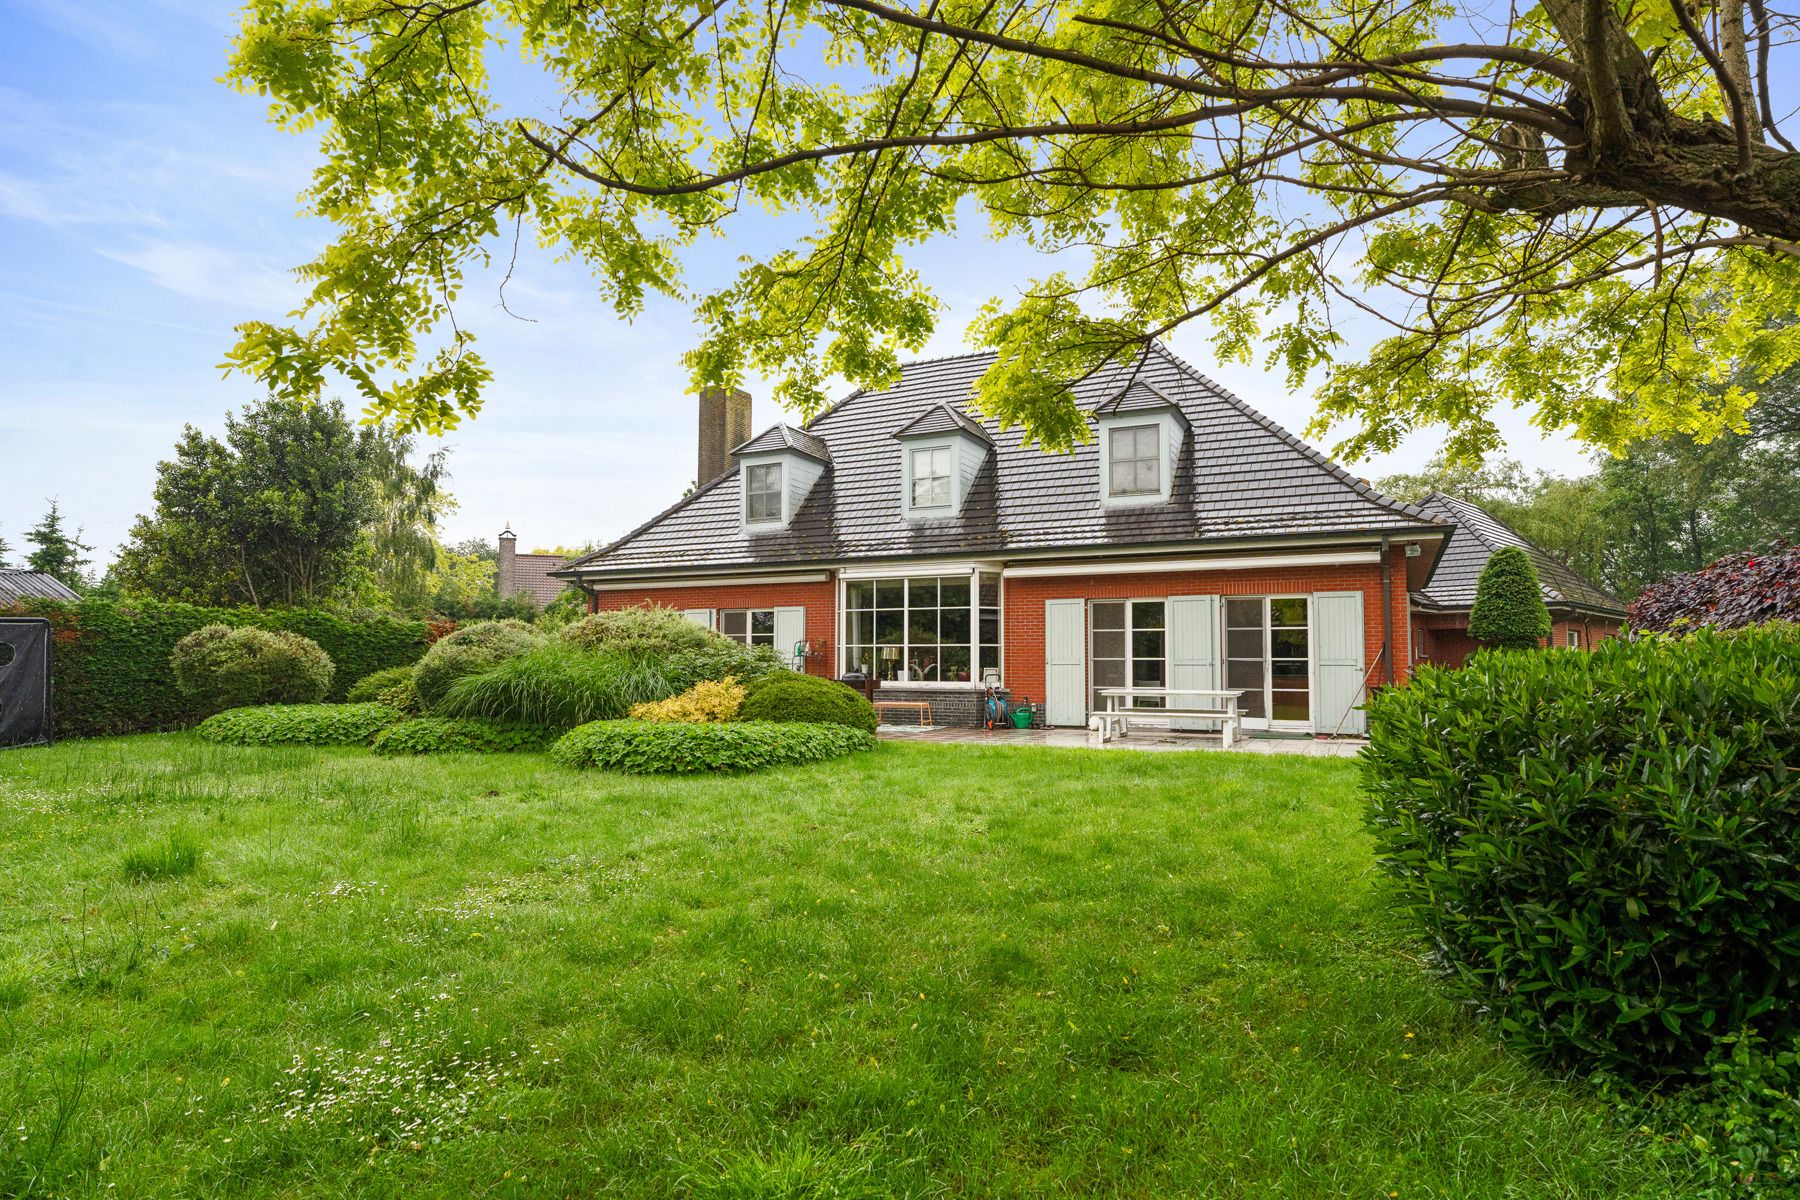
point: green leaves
(657, 748)
(1599, 847)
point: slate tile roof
(941, 418)
(786, 437)
(1240, 477)
(1478, 534)
(17, 584)
(1139, 397)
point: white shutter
(699, 616)
(790, 631)
(1337, 639)
(1193, 624)
(1065, 662)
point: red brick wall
(1443, 638)
(818, 599)
(1023, 613)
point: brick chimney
(506, 576)
(724, 423)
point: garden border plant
(300, 724)
(658, 748)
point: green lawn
(922, 971)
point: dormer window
(777, 470)
(1134, 467)
(941, 452)
(931, 478)
(762, 493)
(1141, 436)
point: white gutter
(637, 585)
(1244, 562)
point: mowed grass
(921, 971)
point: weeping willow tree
(1586, 208)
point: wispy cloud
(208, 272)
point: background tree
(400, 549)
(1584, 209)
(1509, 607)
(272, 515)
(58, 554)
(4, 551)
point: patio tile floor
(1082, 739)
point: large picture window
(923, 629)
(749, 626)
(762, 492)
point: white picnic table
(1214, 704)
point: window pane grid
(1133, 468)
(931, 478)
(762, 492)
(919, 629)
(748, 626)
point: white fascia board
(902, 569)
(664, 581)
(1245, 562)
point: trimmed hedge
(112, 671)
(1600, 848)
(439, 735)
(796, 697)
(222, 667)
(652, 748)
(300, 724)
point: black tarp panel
(24, 681)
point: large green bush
(470, 649)
(559, 686)
(440, 735)
(300, 724)
(746, 664)
(112, 671)
(645, 631)
(650, 748)
(795, 697)
(1601, 848)
(1509, 609)
(221, 667)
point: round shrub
(708, 700)
(299, 724)
(370, 687)
(651, 748)
(796, 697)
(645, 630)
(219, 667)
(470, 649)
(559, 686)
(1509, 607)
(1599, 848)
(440, 735)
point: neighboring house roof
(1241, 477)
(17, 584)
(786, 437)
(532, 576)
(1478, 534)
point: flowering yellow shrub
(708, 700)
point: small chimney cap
(508, 533)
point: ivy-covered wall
(112, 657)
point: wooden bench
(1114, 721)
(921, 707)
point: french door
(1130, 649)
(1268, 655)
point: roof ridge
(1360, 486)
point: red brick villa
(1192, 543)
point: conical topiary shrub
(1509, 605)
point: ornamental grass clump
(1599, 849)
(708, 700)
(468, 650)
(558, 686)
(220, 667)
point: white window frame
(1573, 637)
(1154, 458)
(930, 475)
(1130, 658)
(910, 450)
(780, 469)
(1168, 429)
(940, 571)
(1266, 721)
(749, 625)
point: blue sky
(145, 209)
